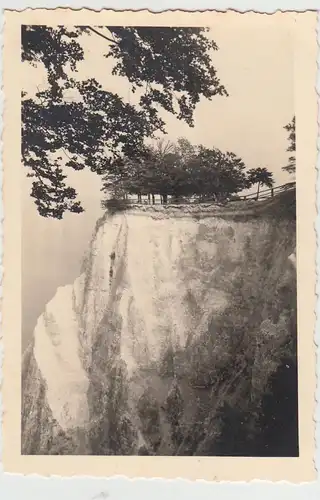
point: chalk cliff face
(176, 317)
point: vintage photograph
(159, 181)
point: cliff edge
(181, 317)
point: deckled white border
(14, 486)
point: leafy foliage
(171, 68)
(180, 170)
(291, 129)
(260, 176)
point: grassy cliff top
(281, 205)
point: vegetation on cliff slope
(227, 393)
(220, 395)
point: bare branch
(102, 35)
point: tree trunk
(165, 198)
(153, 199)
(175, 198)
(149, 198)
(258, 190)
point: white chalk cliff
(171, 309)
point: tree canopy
(184, 170)
(169, 68)
(291, 129)
(261, 177)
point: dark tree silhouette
(260, 176)
(222, 174)
(291, 129)
(168, 68)
(179, 170)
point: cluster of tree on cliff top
(183, 170)
(169, 69)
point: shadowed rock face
(175, 318)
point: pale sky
(255, 64)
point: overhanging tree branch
(101, 34)
(164, 59)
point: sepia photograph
(158, 221)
